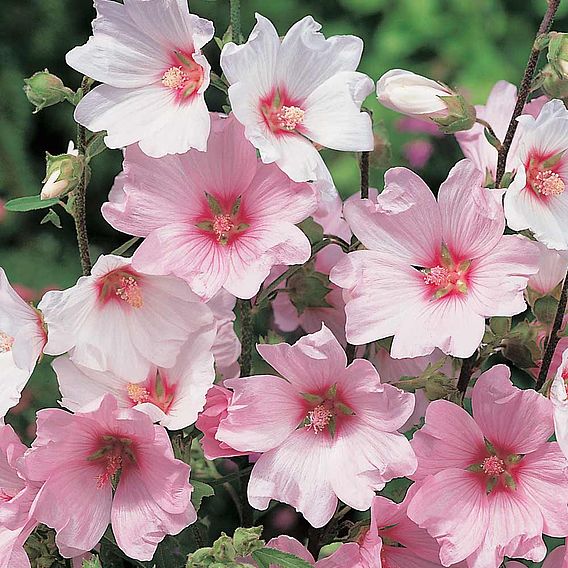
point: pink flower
(536, 199)
(227, 347)
(302, 89)
(552, 266)
(22, 338)
(492, 484)
(173, 397)
(418, 126)
(219, 219)
(434, 270)
(396, 540)
(79, 457)
(123, 321)
(216, 405)
(559, 398)
(147, 54)
(347, 445)
(497, 112)
(346, 556)
(418, 153)
(16, 496)
(558, 558)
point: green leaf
(96, 145)
(127, 245)
(545, 308)
(30, 203)
(265, 557)
(94, 562)
(53, 218)
(492, 139)
(312, 230)
(200, 491)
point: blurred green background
(469, 44)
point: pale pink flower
(227, 346)
(147, 54)
(173, 397)
(346, 445)
(302, 89)
(558, 558)
(559, 398)
(536, 199)
(412, 94)
(22, 338)
(434, 270)
(492, 484)
(123, 321)
(497, 111)
(552, 266)
(346, 556)
(395, 540)
(78, 458)
(418, 153)
(16, 496)
(216, 405)
(219, 219)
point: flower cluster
(382, 312)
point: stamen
(175, 78)
(493, 466)
(6, 342)
(319, 418)
(549, 183)
(439, 276)
(222, 226)
(113, 466)
(289, 117)
(137, 393)
(130, 292)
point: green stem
(80, 196)
(236, 21)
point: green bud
(63, 173)
(461, 115)
(44, 89)
(558, 53)
(439, 386)
(246, 541)
(554, 86)
(223, 548)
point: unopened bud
(460, 115)
(44, 89)
(558, 53)
(63, 173)
(555, 86)
(439, 386)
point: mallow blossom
(558, 558)
(107, 465)
(327, 431)
(552, 266)
(490, 485)
(173, 397)
(434, 269)
(122, 321)
(147, 54)
(559, 398)
(16, 497)
(536, 199)
(22, 338)
(219, 219)
(297, 91)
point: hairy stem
(236, 21)
(524, 90)
(247, 337)
(364, 169)
(80, 196)
(554, 336)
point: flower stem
(79, 196)
(247, 337)
(236, 21)
(524, 90)
(554, 337)
(364, 169)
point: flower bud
(414, 95)
(554, 86)
(63, 173)
(44, 89)
(558, 53)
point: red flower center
(447, 277)
(156, 390)
(542, 175)
(282, 114)
(325, 411)
(185, 76)
(497, 469)
(123, 285)
(224, 221)
(113, 456)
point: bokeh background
(468, 44)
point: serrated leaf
(200, 491)
(267, 557)
(30, 203)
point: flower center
(186, 78)
(289, 117)
(447, 277)
(6, 342)
(113, 455)
(129, 291)
(222, 224)
(319, 418)
(123, 285)
(156, 390)
(548, 183)
(493, 466)
(222, 227)
(280, 113)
